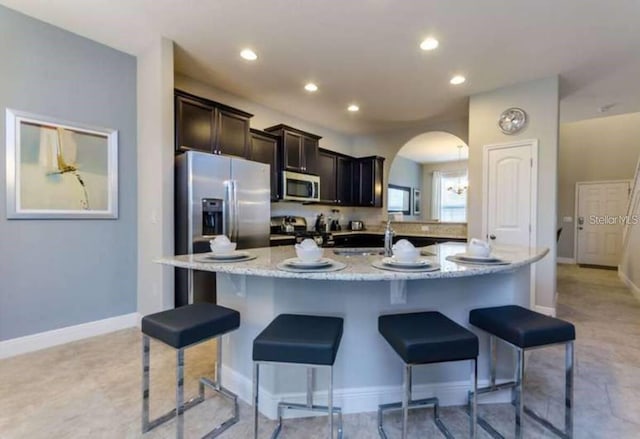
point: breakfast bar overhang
(367, 372)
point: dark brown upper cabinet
(327, 170)
(369, 181)
(336, 178)
(298, 150)
(209, 126)
(264, 149)
(344, 180)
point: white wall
(606, 148)
(155, 168)
(539, 98)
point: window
(449, 201)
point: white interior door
(509, 193)
(510, 181)
(600, 210)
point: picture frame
(417, 201)
(59, 170)
(399, 199)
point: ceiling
(434, 147)
(367, 51)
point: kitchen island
(367, 372)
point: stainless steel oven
(300, 187)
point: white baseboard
(55, 337)
(561, 260)
(546, 310)
(356, 400)
(635, 290)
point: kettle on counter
(320, 224)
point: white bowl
(219, 248)
(409, 254)
(309, 254)
(478, 250)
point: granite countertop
(359, 267)
(381, 232)
(277, 236)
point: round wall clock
(512, 120)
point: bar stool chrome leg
(568, 399)
(518, 400)
(407, 403)
(406, 397)
(181, 406)
(308, 406)
(473, 400)
(256, 379)
(517, 387)
(180, 393)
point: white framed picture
(417, 201)
(58, 169)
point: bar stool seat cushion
(190, 324)
(427, 337)
(522, 327)
(301, 339)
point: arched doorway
(428, 179)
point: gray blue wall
(57, 273)
(406, 172)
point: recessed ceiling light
(311, 87)
(249, 55)
(353, 108)
(429, 44)
(457, 80)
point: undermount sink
(359, 251)
(369, 251)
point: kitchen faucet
(388, 239)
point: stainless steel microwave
(300, 187)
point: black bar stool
(310, 341)
(181, 328)
(426, 338)
(523, 330)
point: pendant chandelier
(459, 188)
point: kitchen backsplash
(374, 219)
(370, 216)
(432, 228)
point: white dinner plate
(404, 269)
(299, 263)
(475, 258)
(228, 256)
(415, 264)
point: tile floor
(91, 388)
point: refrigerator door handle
(236, 207)
(230, 209)
(226, 209)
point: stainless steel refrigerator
(216, 195)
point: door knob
(492, 236)
(580, 228)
